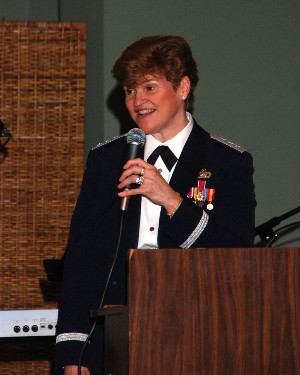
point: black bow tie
(166, 154)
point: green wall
(249, 89)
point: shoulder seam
(109, 141)
(228, 143)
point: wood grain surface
(214, 312)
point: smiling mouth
(143, 112)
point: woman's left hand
(153, 186)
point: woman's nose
(139, 97)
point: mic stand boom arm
(265, 230)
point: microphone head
(136, 136)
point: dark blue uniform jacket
(95, 227)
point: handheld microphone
(136, 139)
(4, 132)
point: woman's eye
(149, 88)
(129, 91)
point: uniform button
(151, 229)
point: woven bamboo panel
(42, 91)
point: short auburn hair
(162, 55)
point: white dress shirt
(150, 212)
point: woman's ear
(184, 87)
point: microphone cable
(103, 294)
(136, 139)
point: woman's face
(156, 107)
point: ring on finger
(139, 180)
(142, 172)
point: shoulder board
(109, 141)
(228, 142)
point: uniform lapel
(192, 159)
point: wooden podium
(207, 312)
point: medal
(210, 198)
(200, 194)
(191, 193)
(201, 185)
(195, 194)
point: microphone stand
(4, 132)
(4, 143)
(265, 230)
(3, 153)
